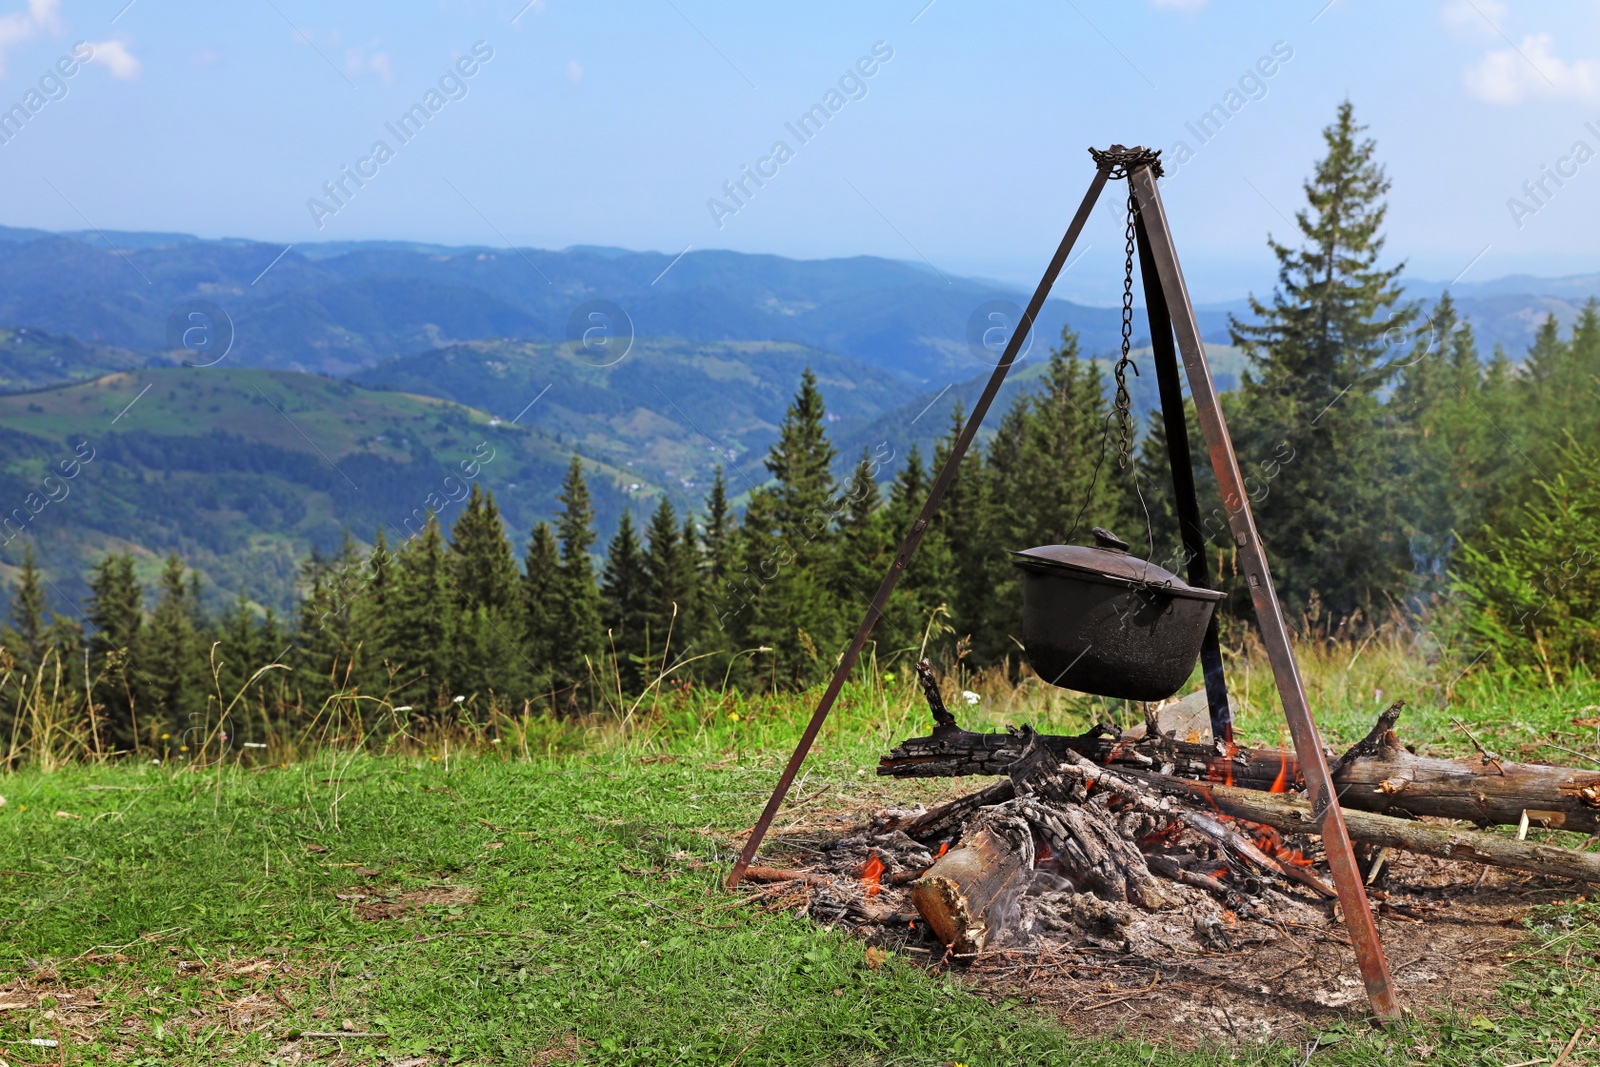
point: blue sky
(615, 124)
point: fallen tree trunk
(1291, 814)
(1380, 775)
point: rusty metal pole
(918, 528)
(1195, 548)
(1269, 613)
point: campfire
(1123, 849)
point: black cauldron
(1100, 621)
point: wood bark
(961, 895)
(1291, 814)
(1380, 775)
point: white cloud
(574, 72)
(118, 60)
(1179, 5)
(1532, 70)
(362, 60)
(1473, 19)
(20, 26)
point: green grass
(599, 924)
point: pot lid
(1108, 558)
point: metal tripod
(1171, 313)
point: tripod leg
(1269, 613)
(918, 528)
(1194, 538)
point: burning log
(1377, 775)
(1293, 815)
(964, 893)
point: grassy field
(550, 893)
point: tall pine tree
(541, 581)
(28, 635)
(622, 606)
(115, 608)
(171, 662)
(1309, 403)
(421, 626)
(671, 590)
(488, 601)
(578, 633)
(787, 550)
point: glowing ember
(871, 873)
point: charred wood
(1377, 775)
(1293, 815)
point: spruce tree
(864, 551)
(622, 606)
(422, 623)
(578, 632)
(787, 550)
(670, 585)
(115, 608)
(488, 600)
(321, 654)
(172, 665)
(863, 537)
(1310, 413)
(1450, 460)
(27, 636)
(965, 520)
(1555, 398)
(239, 652)
(927, 583)
(482, 565)
(719, 549)
(369, 611)
(541, 582)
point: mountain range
(349, 376)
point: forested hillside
(571, 532)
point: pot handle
(1104, 538)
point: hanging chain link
(1123, 403)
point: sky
(963, 149)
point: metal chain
(1123, 403)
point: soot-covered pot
(1099, 620)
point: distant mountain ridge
(341, 307)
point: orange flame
(1270, 841)
(1280, 784)
(871, 873)
(1283, 774)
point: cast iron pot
(1100, 621)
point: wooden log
(945, 822)
(1291, 814)
(1382, 777)
(962, 893)
(776, 874)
